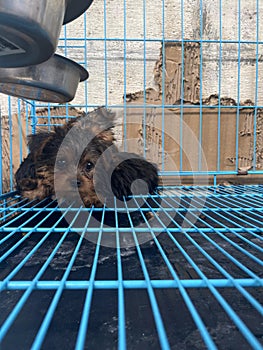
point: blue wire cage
(184, 78)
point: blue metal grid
(219, 255)
(196, 282)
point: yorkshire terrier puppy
(79, 163)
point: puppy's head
(59, 152)
(82, 143)
(75, 168)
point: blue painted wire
(200, 136)
(85, 30)
(226, 274)
(20, 131)
(178, 105)
(33, 117)
(248, 230)
(21, 264)
(21, 204)
(11, 202)
(65, 41)
(238, 84)
(23, 212)
(228, 229)
(105, 55)
(202, 232)
(232, 314)
(8, 194)
(125, 229)
(229, 209)
(231, 206)
(124, 76)
(39, 338)
(252, 203)
(219, 88)
(236, 199)
(156, 312)
(15, 311)
(144, 121)
(20, 229)
(182, 91)
(163, 89)
(121, 305)
(48, 118)
(256, 89)
(135, 284)
(157, 39)
(196, 317)
(10, 125)
(219, 248)
(87, 305)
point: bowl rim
(20, 76)
(84, 74)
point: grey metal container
(30, 29)
(55, 80)
(75, 8)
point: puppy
(79, 163)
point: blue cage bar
(191, 277)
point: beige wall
(135, 50)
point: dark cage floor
(189, 278)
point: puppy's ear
(37, 142)
(104, 120)
(104, 116)
(106, 136)
(98, 123)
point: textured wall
(209, 30)
(137, 76)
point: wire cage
(184, 79)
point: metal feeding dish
(30, 29)
(75, 8)
(55, 80)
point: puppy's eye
(89, 166)
(61, 163)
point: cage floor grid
(190, 277)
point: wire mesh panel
(183, 270)
(197, 280)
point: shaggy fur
(82, 157)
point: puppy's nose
(75, 183)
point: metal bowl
(55, 80)
(75, 8)
(30, 29)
